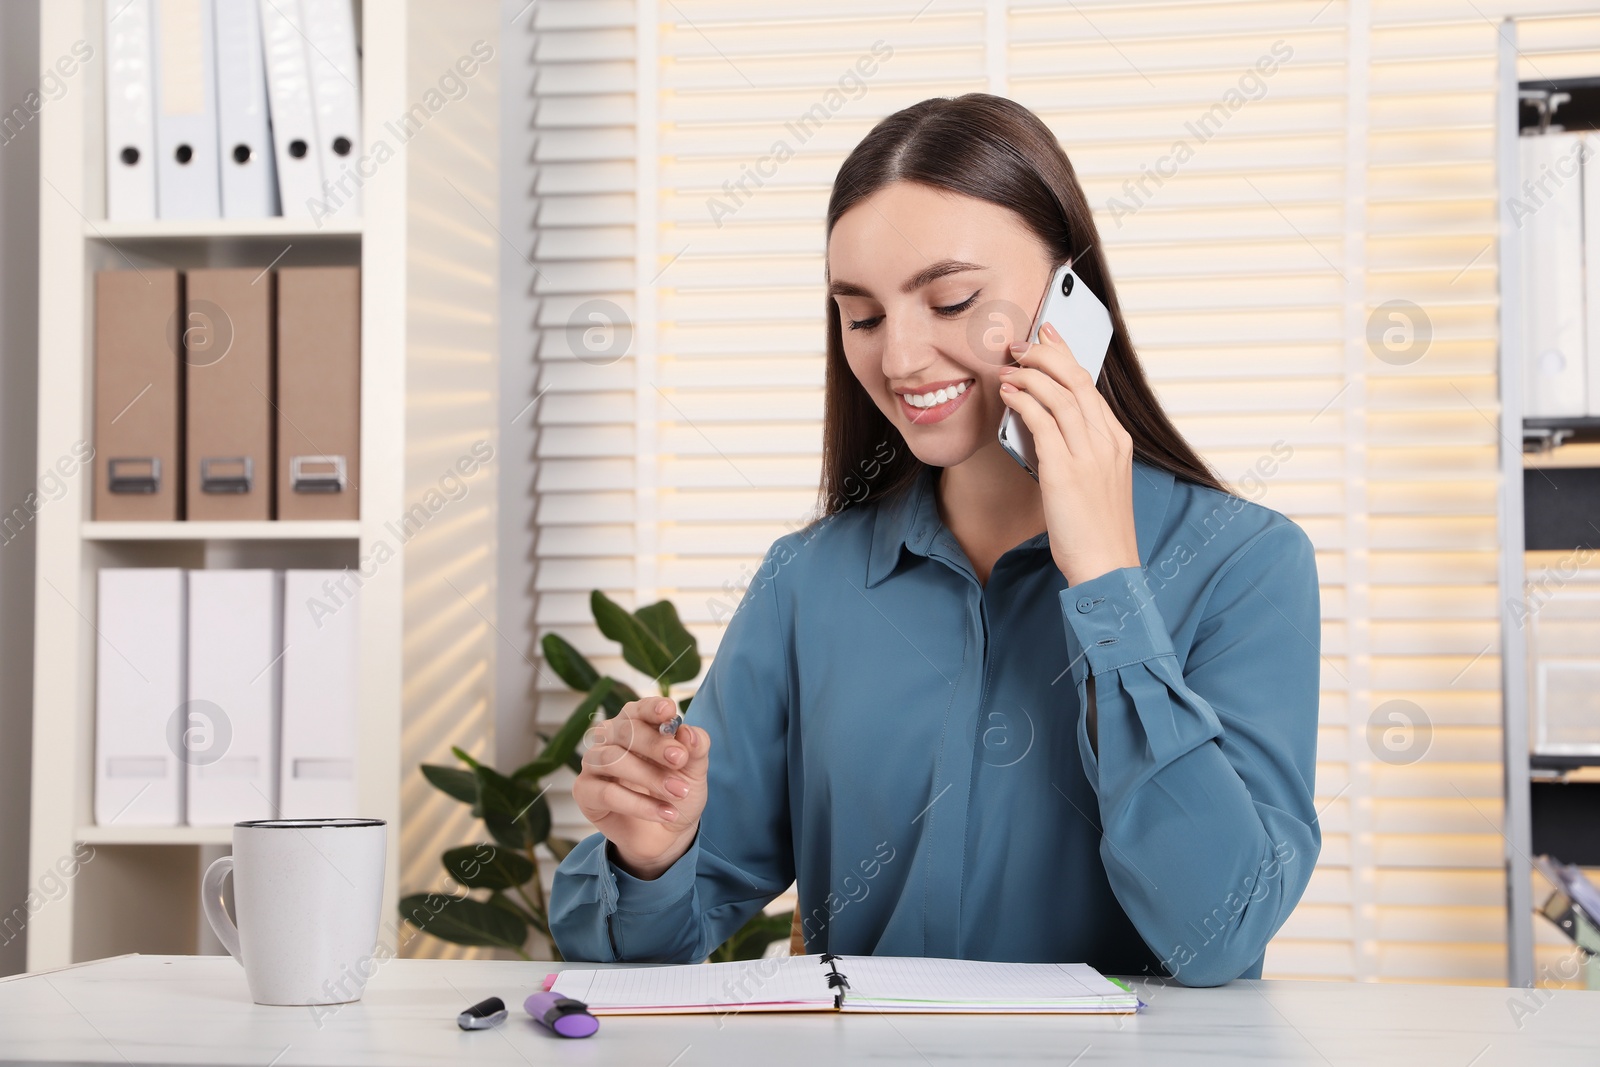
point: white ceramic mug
(307, 893)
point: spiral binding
(837, 981)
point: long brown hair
(993, 149)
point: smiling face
(931, 288)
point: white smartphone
(1085, 326)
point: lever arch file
(336, 99)
(187, 178)
(130, 113)
(1591, 266)
(1555, 373)
(829, 982)
(294, 124)
(249, 172)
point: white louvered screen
(579, 71)
(1360, 173)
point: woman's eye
(956, 309)
(951, 309)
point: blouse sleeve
(742, 856)
(1205, 769)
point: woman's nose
(908, 348)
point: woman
(976, 715)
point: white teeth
(934, 399)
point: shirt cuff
(1112, 621)
(643, 895)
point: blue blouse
(908, 742)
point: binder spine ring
(837, 981)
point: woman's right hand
(643, 789)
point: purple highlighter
(567, 1017)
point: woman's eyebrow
(930, 273)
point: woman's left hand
(1085, 459)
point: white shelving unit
(1526, 936)
(155, 835)
(106, 229)
(221, 531)
(140, 889)
(1517, 820)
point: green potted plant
(505, 869)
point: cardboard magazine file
(319, 393)
(228, 322)
(138, 382)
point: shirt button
(1084, 604)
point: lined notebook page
(913, 978)
(889, 983)
(780, 980)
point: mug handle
(216, 912)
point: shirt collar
(910, 518)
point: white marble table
(196, 1009)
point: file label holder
(317, 474)
(134, 475)
(236, 474)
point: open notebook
(821, 982)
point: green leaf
(683, 705)
(568, 663)
(534, 919)
(464, 921)
(640, 648)
(487, 866)
(516, 815)
(621, 693)
(465, 757)
(661, 620)
(752, 939)
(559, 846)
(454, 781)
(538, 819)
(564, 743)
